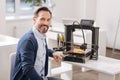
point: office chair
(12, 57)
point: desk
(65, 70)
(108, 68)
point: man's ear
(34, 19)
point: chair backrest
(12, 62)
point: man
(32, 51)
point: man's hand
(58, 56)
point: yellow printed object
(79, 51)
(61, 38)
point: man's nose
(46, 22)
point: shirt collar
(38, 34)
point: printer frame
(76, 57)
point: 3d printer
(82, 54)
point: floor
(90, 75)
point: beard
(43, 28)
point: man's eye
(48, 20)
(42, 19)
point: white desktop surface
(7, 40)
(103, 64)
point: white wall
(91, 9)
(107, 16)
(64, 9)
(18, 27)
(86, 9)
(80, 9)
(75, 9)
(2, 17)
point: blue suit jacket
(25, 59)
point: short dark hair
(42, 9)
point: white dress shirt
(41, 52)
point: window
(25, 7)
(10, 6)
(18, 7)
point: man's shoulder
(28, 39)
(28, 36)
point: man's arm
(27, 58)
(50, 52)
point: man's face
(43, 21)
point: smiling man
(32, 51)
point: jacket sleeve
(27, 58)
(50, 52)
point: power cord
(84, 45)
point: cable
(83, 34)
(84, 44)
(75, 22)
(73, 30)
